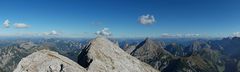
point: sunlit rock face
(47, 61)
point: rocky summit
(101, 55)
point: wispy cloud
(146, 19)
(167, 35)
(6, 23)
(52, 33)
(21, 34)
(21, 25)
(191, 35)
(104, 32)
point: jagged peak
(150, 45)
(147, 41)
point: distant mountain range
(104, 55)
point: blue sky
(83, 18)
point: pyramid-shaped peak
(147, 41)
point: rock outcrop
(101, 55)
(47, 61)
(10, 56)
(129, 49)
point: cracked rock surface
(47, 61)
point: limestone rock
(47, 61)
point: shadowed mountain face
(229, 47)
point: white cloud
(104, 32)
(20, 34)
(53, 32)
(6, 23)
(236, 34)
(146, 19)
(21, 25)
